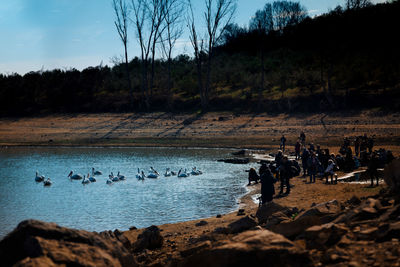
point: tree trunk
(200, 83)
(328, 91)
(169, 93)
(128, 77)
(152, 76)
(208, 81)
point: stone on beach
(150, 238)
(41, 243)
(252, 248)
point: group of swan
(119, 177)
(154, 174)
(41, 178)
(86, 178)
(185, 173)
(112, 178)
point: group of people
(282, 169)
(318, 162)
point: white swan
(91, 178)
(183, 174)
(167, 172)
(96, 172)
(39, 178)
(195, 171)
(75, 176)
(47, 182)
(139, 175)
(153, 170)
(153, 173)
(120, 176)
(113, 178)
(109, 181)
(85, 181)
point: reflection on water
(97, 206)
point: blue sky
(65, 34)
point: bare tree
(356, 4)
(172, 31)
(157, 11)
(147, 23)
(262, 23)
(287, 13)
(218, 15)
(198, 47)
(121, 23)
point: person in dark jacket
(267, 185)
(278, 158)
(302, 139)
(297, 148)
(253, 176)
(312, 164)
(304, 160)
(373, 168)
(283, 143)
(285, 174)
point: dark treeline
(348, 58)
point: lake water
(98, 206)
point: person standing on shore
(304, 160)
(357, 142)
(312, 167)
(303, 139)
(370, 144)
(297, 149)
(283, 142)
(285, 175)
(373, 168)
(267, 184)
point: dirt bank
(201, 130)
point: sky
(47, 34)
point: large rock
(39, 242)
(265, 211)
(316, 215)
(275, 219)
(392, 213)
(293, 228)
(326, 235)
(252, 248)
(150, 238)
(388, 231)
(369, 209)
(322, 209)
(241, 225)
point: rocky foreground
(357, 232)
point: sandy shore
(197, 130)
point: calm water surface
(97, 206)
